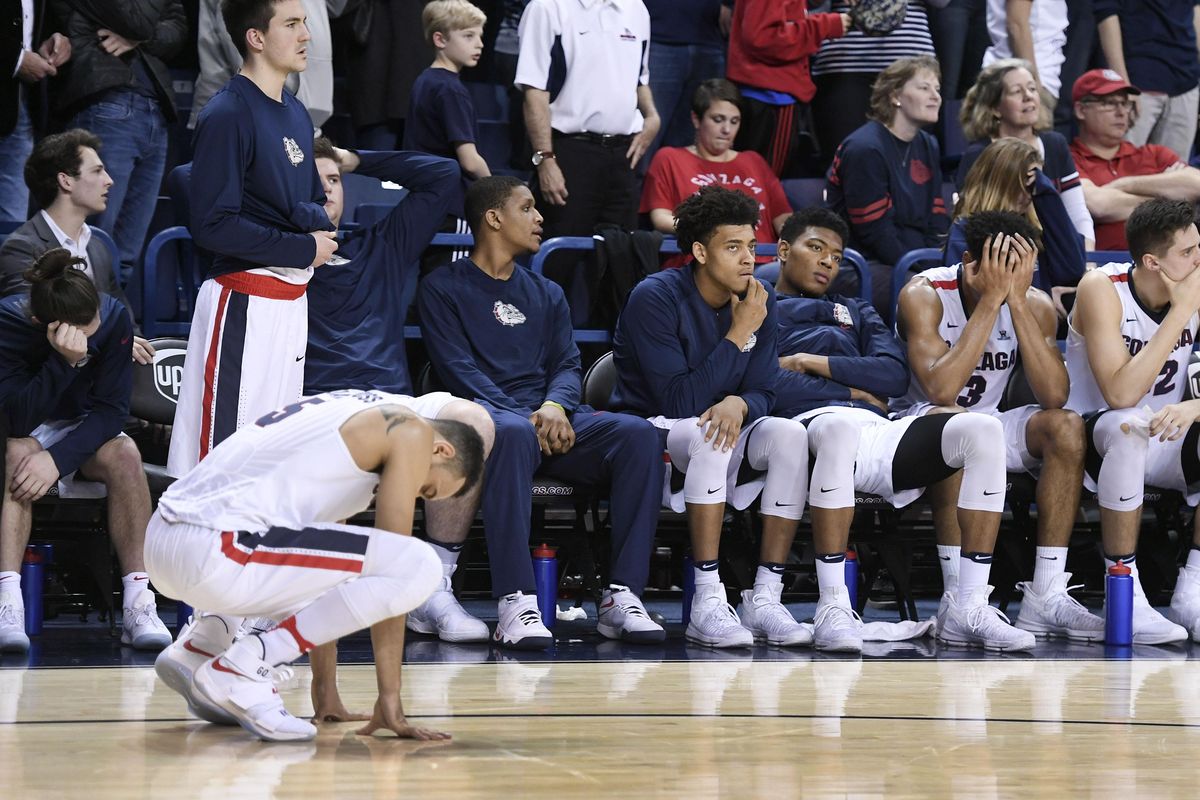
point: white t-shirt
(1048, 23)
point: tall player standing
(964, 327)
(258, 205)
(1131, 335)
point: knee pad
(408, 570)
(780, 446)
(1116, 458)
(975, 443)
(833, 443)
(704, 467)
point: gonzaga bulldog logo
(841, 315)
(507, 314)
(294, 153)
(753, 340)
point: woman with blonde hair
(1006, 102)
(1007, 176)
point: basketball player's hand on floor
(33, 476)
(724, 421)
(389, 716)
(336, 712)
(143, 351)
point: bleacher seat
(913, 261)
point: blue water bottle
(545, 577)
(33, 578)
(852, 577)
(689, 587)
(1118, 606)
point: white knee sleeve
(780, 446)
(975, 443)
(1122, 478)
(833, 442)
(704, 468)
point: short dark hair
(242, 15)
(323, 148)
(485, 194)
(714, 90)
(59, 289)
(698, 217)
(468, 451)
(59, 152)
(814, 217)
(1152, 226)
(983, 225)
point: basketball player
(1131, 334)
(251, 532)
(501, 334)
(840, 363)
(257, 205)
(65, 381)
(964, 327)
(695, 354)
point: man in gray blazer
(67, 178)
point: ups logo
(168, 373)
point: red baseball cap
(1099, 82)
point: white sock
(10, 584)
(1193, 561)
(706, 577)
(1048, 565)
(765, 576)
(447, 554)
(948, 556)
(134, 584)
(972, 575)
(831, 571)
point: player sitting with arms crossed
(695, 353)
(1132, 331)
(840, 363)
(252, 532)
(964, 326)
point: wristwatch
(541, 155)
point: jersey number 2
(975, 387)
(1167, 383)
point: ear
(439, 40)
(443, 448)
(699, 252)
(64, 182)
(256, 40)
(783, 248)
(695, 121)
(492, 218)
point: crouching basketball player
(964, 327)
(695, 354)
(1132, 331)
(251, 532)
(840, 364)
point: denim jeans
(675, 72)
(14, 150)
(133, 145)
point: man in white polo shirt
(588, 109)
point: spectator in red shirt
(1118, 176)
(677, 173)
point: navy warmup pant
(618, 450)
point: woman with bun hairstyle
(1006, 101)
(66, 374)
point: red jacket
(771, 41)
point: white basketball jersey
(290, 468)
(985, 388)
(1137, 326)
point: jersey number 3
(975, 387)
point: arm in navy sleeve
(223, 150)
(112, 384)
(796, 391)
(29, 398)
(939, 219)
(881, 369)
(433, 185)
(566, 381)
(758, 383)
(648, 323)
(865, 181)
(450, 350)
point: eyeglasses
(1111, 103)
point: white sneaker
(837, 627)
(197, 643)
(1056, 613)
(714, 622)
(622, 616)
(445, 617)
(141, 628)
(974, 623)
(241, 683)
(520, 625)
(1185, 602)
(768, 620)
(1151, 627)
(12, 625)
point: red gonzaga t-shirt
(1130, 159)
(675, 174)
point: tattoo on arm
(394, 416)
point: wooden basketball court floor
(909, 721)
